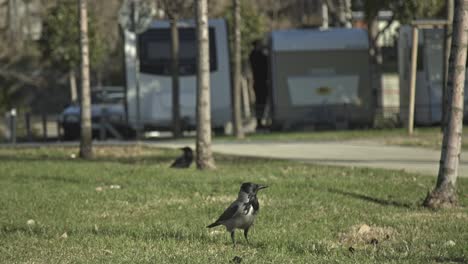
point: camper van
(428, 97)
(320, 78)
(155, 75)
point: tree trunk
(86, 150)
(73, 91)
(204, 155)
(447, 43)
(344, 13)
(176, 126)
(444, 194)
(324, 13)
(236, 111)
(348, 14)
(375, 53)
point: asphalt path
(348, 153)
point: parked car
(107, 107)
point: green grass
(428, 137)
(310, 214)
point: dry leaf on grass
(365, 234)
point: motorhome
(155, 81)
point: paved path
(352, 153)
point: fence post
(13, 126)
(59, 131)
(27, 118)
(44, 127)
(102, 125)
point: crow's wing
(229, 213)
(179, 163)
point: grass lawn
(430, 137)
(310, 213)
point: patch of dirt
(365, 234)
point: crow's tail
(213, 225)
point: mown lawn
(310, 213)
(428, 137)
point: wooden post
(414, 60)
(59, 131)
(13, 126)
(44, 127)
(102, 125)
(27, 119)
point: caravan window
(155, 51)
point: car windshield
(107, 96)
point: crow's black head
(187, 151)
(249, 187)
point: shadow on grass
(166, 234)
(12, 230)
(370, 199)
(451, 260)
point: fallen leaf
(450, 243)
(363, 229)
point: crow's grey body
(242, 212)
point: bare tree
(73, 89)
(176, 126)
(447, 43)
(205, 158)
(444, 194)
(236, 111)
(174, 9)
(86, 150)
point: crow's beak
(262, 187)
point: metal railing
(27, 127)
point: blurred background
(331, 64)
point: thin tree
(444, 194)
(174, 9)
(86, 150)
(447, 43)
(176, 127)
(236, 111)
(204, 158)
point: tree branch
(389, 23)
(23, 78)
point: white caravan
(155, 75)
(320, 78)
(428, 97)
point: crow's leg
(233, 239)
(246, 232)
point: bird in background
(185, 160)
(242, 212)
